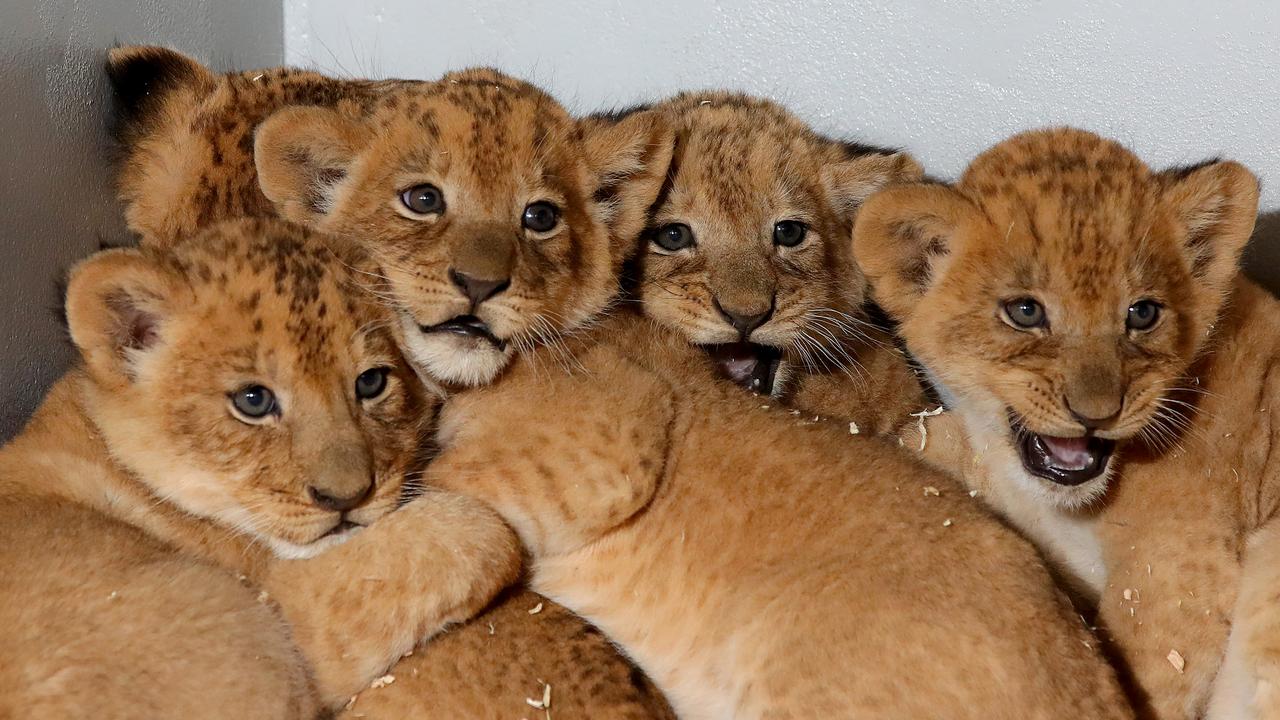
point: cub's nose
(1096, 414)
(744, 321)
(330, 500)
(478, 289)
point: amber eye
(423, 199)
(1143, 315)
(254, 402)
(371, 383)
(789, 233)
(1025, 313)
(673, 237)
(541, 217)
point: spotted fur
(742, 165)
(337, 155)
(1174, 544)
(217, 532)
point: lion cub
(746, 255)
(759, 566)
(381, 163)
(1115, 377)
(193, 521)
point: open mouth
(468, 326)
(1065, 461)
(747, 364)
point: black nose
(744, 322)
(476, 289)
(336, 503)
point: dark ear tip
(140, 76)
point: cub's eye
(423, 199)
(673, 237)
(789, 233)
(371, 383)
(1143, 315)
(1025, 313)
(540, 217)
(254, 402)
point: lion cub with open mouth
(198, 520)
(1114, 375)
(746, 255)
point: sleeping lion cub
(746, 254)
(183, 526)
(1115, 378)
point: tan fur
(742, 165)
(189, 151)
(802, 573)
(489, 668)
(162, 557)
(1176, 544)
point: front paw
(358, 607)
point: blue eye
(254, 402)
(789, 233)
(371, 383)
(423, 199)
(676, 236)
(1025, 313)
(1143, 315)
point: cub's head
(746, 251)
(1058, 293)
(490, 210)
(243, 377)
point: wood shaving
(924, 431)
(491, 629)
(946, 523)
(263, 597)
(382, 682)
(535, 609)
(973, 493)
(351, 703)
(853, 428)
(1177, 661)
(931, 490)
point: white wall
(1177, 80)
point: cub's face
(747, 250)
(245, 378)
(484, 203)
(1059, 293)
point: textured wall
(1177, 80)
(55, 185)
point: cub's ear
(302, 156)
(1216, 205)
(143, 77)
(850, 182)
(117, 302)
(628, 158)
(903, 240)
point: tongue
(1068, 453)
(738, 361)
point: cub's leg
(357, 608)
(1248, 683)
(490, 667)
(99, 621)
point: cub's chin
(1070, 471)
(754, 367)
(461, 351)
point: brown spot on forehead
(283, 278)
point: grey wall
(55, 185)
